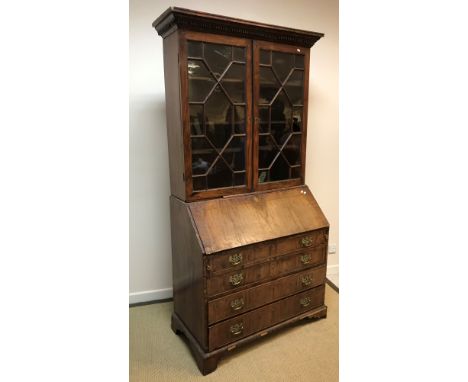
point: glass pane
(218, 118)
(282, 64)
(267, 151)
(296, 172)
(269, 85)
(200, 81)
(218, 57)
(194, 49)
(264, 114)
(295, 87)
(265, 57)
(238, 53)
(203, 155)
(299, 61)
(280, 169)
(239, 179)
(292, 150)
(281, 118)
(199, 183)
(196, 119)
(220, 175)
(239, 119)
(233, 82)
(234, 153)
(297, 119)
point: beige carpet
(304, 352)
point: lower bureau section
(259, 319)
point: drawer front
(252, 298)
(259, 319)
(307, 258)
(271, 269)
(238, 258)
(304, 241)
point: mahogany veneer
(249, 241)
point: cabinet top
(174, 18)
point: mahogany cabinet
(249, 241)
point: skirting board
(150, 295)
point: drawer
(259, 319)
(238, 258)
(252, 298)
(282, 265)
(303, 241)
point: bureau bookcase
(249, 241)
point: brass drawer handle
(305, 301)
(236, 279)
(305, 259)
(237, 304)
(306, 280)
(235, 259)
(237, 329)
(307, 241)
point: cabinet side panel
(187, 272)
(173, 115)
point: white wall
(150, 247)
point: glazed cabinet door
(216, 94)
(280, 88)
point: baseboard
(333, 269)
(150, 295)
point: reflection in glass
(281, 118)
(295, 87)
(218, 57)
(239, 119)
(282, 64)
(218, 118)
(220, 175)
(194, 49)
(269, 85)
(292, 150)
(297, 119)
(233, 82)
(203, 155)
(234, 153)
(196, 119)
(267, 151)
(200, 81)
(238, 53)
(264, 114)
(265, 57)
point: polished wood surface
(247, 260)
(187, 272)
(238, 327)
(251, 298)
(247, 219)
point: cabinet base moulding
(207, 362)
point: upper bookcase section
(180, 18)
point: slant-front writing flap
(227, 223)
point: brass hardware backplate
(307, 241)
(235, 259)
(237, 329)
(236, 279)
(237, 304)
(306, 280)
(305, 301)
(305, 259)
